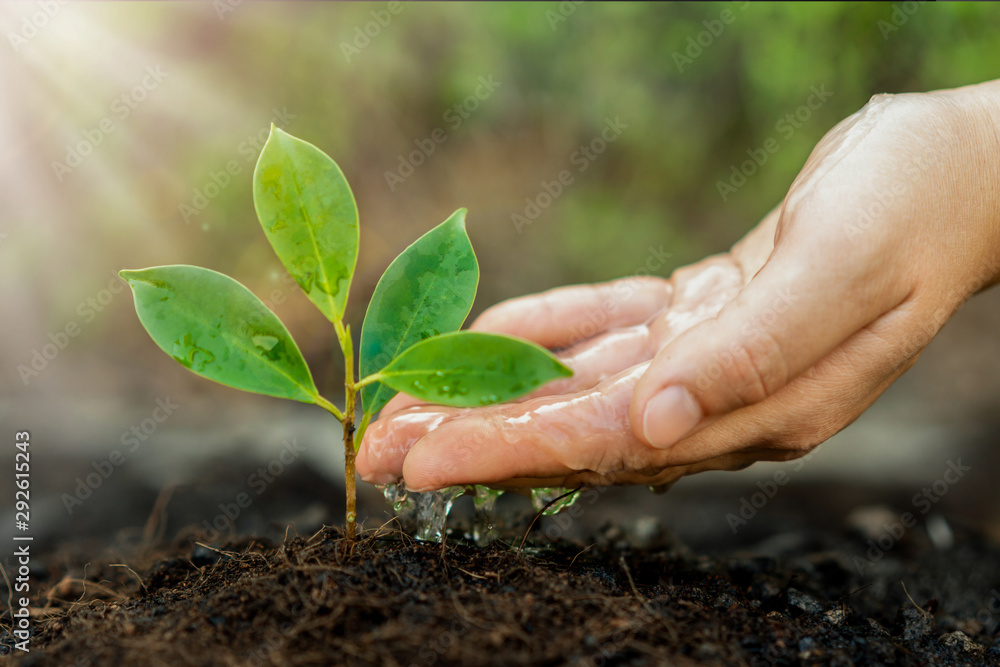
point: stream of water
(429, 511)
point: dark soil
(625, 599)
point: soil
(630, 594)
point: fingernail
(669, 416)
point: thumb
(797, 309)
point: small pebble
(803, 602)
(836, 616)
(959, 640)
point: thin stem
(329, 407)
(350, 391)
(338, 328)
(368, 379)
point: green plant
(410, 342)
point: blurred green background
(695, 87)
(116, 116)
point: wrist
(976, 115)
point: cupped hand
(758, 354)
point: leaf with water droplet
(427, 290)
(560, 499)
(218, 329)
(308, 213)
(461, 360)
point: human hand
(758, 354)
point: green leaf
(426, 291)
(217, 328)
(308, 213)
(468, 368)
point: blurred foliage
(564, 69)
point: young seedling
(410, 338)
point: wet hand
(758, 354)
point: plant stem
(329, 407)
(350, 391)
(368, 379)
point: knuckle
(752, 369)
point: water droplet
(484, 499)
(264, 342)
(418, 385)
(541, 497)
(493, 398)
(423, 514)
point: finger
(796, 309)
(563, 316)
(566, 315)
(386, 442)
(548, 437)
(821, 402)
(592, 361)
(806, 412)
(699, 292)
